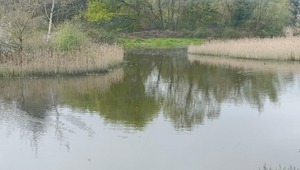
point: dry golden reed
(46, 62)
(266, 49)
(248, 66)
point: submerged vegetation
(265, 49)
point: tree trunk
(172, 14)
(178, 15)
(50, 21)
(161, 18)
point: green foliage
(242, 13)
(159, 43)
(69, 37)
(269, 18)
(209, 14)
(97, 11)
(201, 18)
(205, 18)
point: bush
(69, 37)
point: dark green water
(159, 112)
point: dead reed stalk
(287, 48)
(47, 61)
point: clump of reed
(283, 48)
(51, 61)
(248, 66)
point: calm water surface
(161, 112)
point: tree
(5, 38)
(24, 18)
(50, 21)
(270, 17)
(59, 11)
(97, 11)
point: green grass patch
(158, 43)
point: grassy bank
(48, 61)
(158, 43)
(265, 49)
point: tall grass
(266, 49)
(51, 61)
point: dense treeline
(199, 18)
(227, 18)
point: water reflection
(33, 106)
(185, 89)
(125, 102)
(191, 91)
(252, 82)
(90, 122)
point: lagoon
(159, 112)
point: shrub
(69, 37)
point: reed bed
(47, 61)
(264, 49)
(248, 66)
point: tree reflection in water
(187, 91)
(125, 103)
(190, 91)
(33, 106)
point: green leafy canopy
(97, 11)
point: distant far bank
(158, 43)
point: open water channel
(176, 112)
